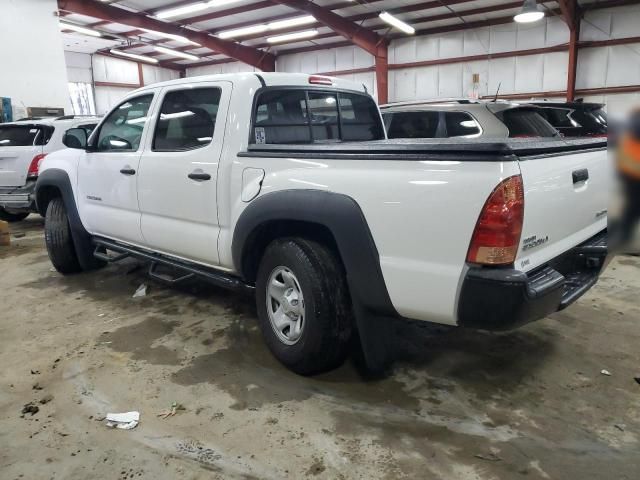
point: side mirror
(75, 138)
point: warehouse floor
(531, 404)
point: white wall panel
(152, 74)
(556, 69)
(608, 23)
(503, 38)
(529, 73)
(233, 67)
(32, 66)
(78, 67)
(108, 97)
(109, 69)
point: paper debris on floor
(141, 291)
(123, 421)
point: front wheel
(303, 305)
(57, 235)
(12, 217)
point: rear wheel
(303, 305)
(10, 216)
(57, 234)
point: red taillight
(320, 80)
(34, 167)
(496, 238)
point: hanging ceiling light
(253, 29)
(529, 13)
(397, 23)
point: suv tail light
(496, 238)
(34, 167)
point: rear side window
(301, 116)
(21, 136)
(461, 124)
(187, 119)
(593, 121)
(412, 124)
(526, 122)
(558, 117)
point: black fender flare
(59, 179)
(343, 217)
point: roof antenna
(495, 99)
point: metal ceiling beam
(364, 38)
(263, 60)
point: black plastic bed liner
(409, 149)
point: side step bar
(189, 270)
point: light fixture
(397, 23)
(529, 13)
(171, 36)
(79, 29)
(240, 32)
(191, 8)
(176, 53)
(290, 22)
(293, 36)
(133, 56)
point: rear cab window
(298, 116)
(24, 135)
(526, 123)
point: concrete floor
(459, 404)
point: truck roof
(53, 121)
(268, 78)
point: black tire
(57, 235)
(12, 217)
(324, 341)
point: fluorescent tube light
(397, 23)
(171, 36)
(192, 8)
(176, 53)
(133, 56)
(293, 36)
(239, 32)
(79, 29)
(290, 22)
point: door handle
(580, 176)
(199, 176)
(127, 171)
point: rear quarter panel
(421, 214)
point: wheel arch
(333, 219)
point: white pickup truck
(284, 184)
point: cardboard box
(5, 235)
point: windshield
(525, 123)
(19, 136)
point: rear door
(178, 172)
(18, 145)
(108, 173)
(565, 203)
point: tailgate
(18, 145)
(566, 200)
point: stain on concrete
(139, 339)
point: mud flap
(376, 335)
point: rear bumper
(502, 299)
(19, 198)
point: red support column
(574, 41)
(382, 74)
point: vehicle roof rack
(71, 117)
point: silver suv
(464, 118)
(23, 146)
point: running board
(212, 276)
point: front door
(178, 171)
(108, 172)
